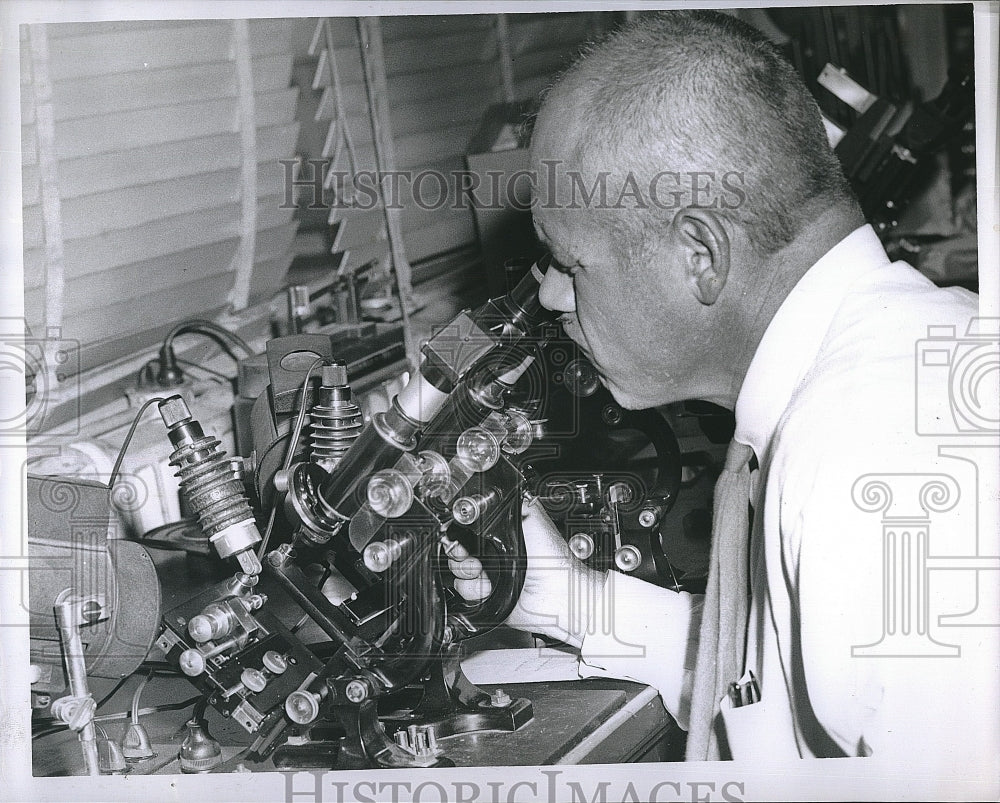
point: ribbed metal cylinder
(211, 487)
(336, 424)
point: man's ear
(703, 236)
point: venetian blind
(442, 73)
(152, 187)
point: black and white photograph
(502, 401)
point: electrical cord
(125, 443)
(155, 709)
(207, 328)
(146, 375)
(168, 370)
(292, 443)
(135, 698)
(154, 667)
(212, 371)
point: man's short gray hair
(703, 91)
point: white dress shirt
(842, 404)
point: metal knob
(274, 662)
(648, 517)
(581, 545)
(628, 558)
(253, 679)
(380, 555)
(192, 663)
(302, 706)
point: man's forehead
(574, 236)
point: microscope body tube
(500, 323)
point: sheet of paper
(523, 665)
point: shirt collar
(793, 338)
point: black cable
(292, 443)
(327, 572)
(145, 374)
(169, 372)
(122, 715)
(207, 328)
(156, 667)
(125, 443)
(205, 369)
(198, 712)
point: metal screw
(499, 699)
(647, 518)
(611, 414)
(356, 691)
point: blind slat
(131, 206)
(143, 127)
(132, 50)
(476, 48)
(133, 316)
(106, 94)
(532, 35)
(154, 239)
(442, 113)
(137, 166)
(142, 278)
(395, 29)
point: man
(728, 261)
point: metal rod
(76, 669)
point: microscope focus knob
(253, 679)
(274, 662)
(628, 558)
(302, 706)
(192, 663)
(214, 622)
(581, 545)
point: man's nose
(556, 291)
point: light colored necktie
(722, 641)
